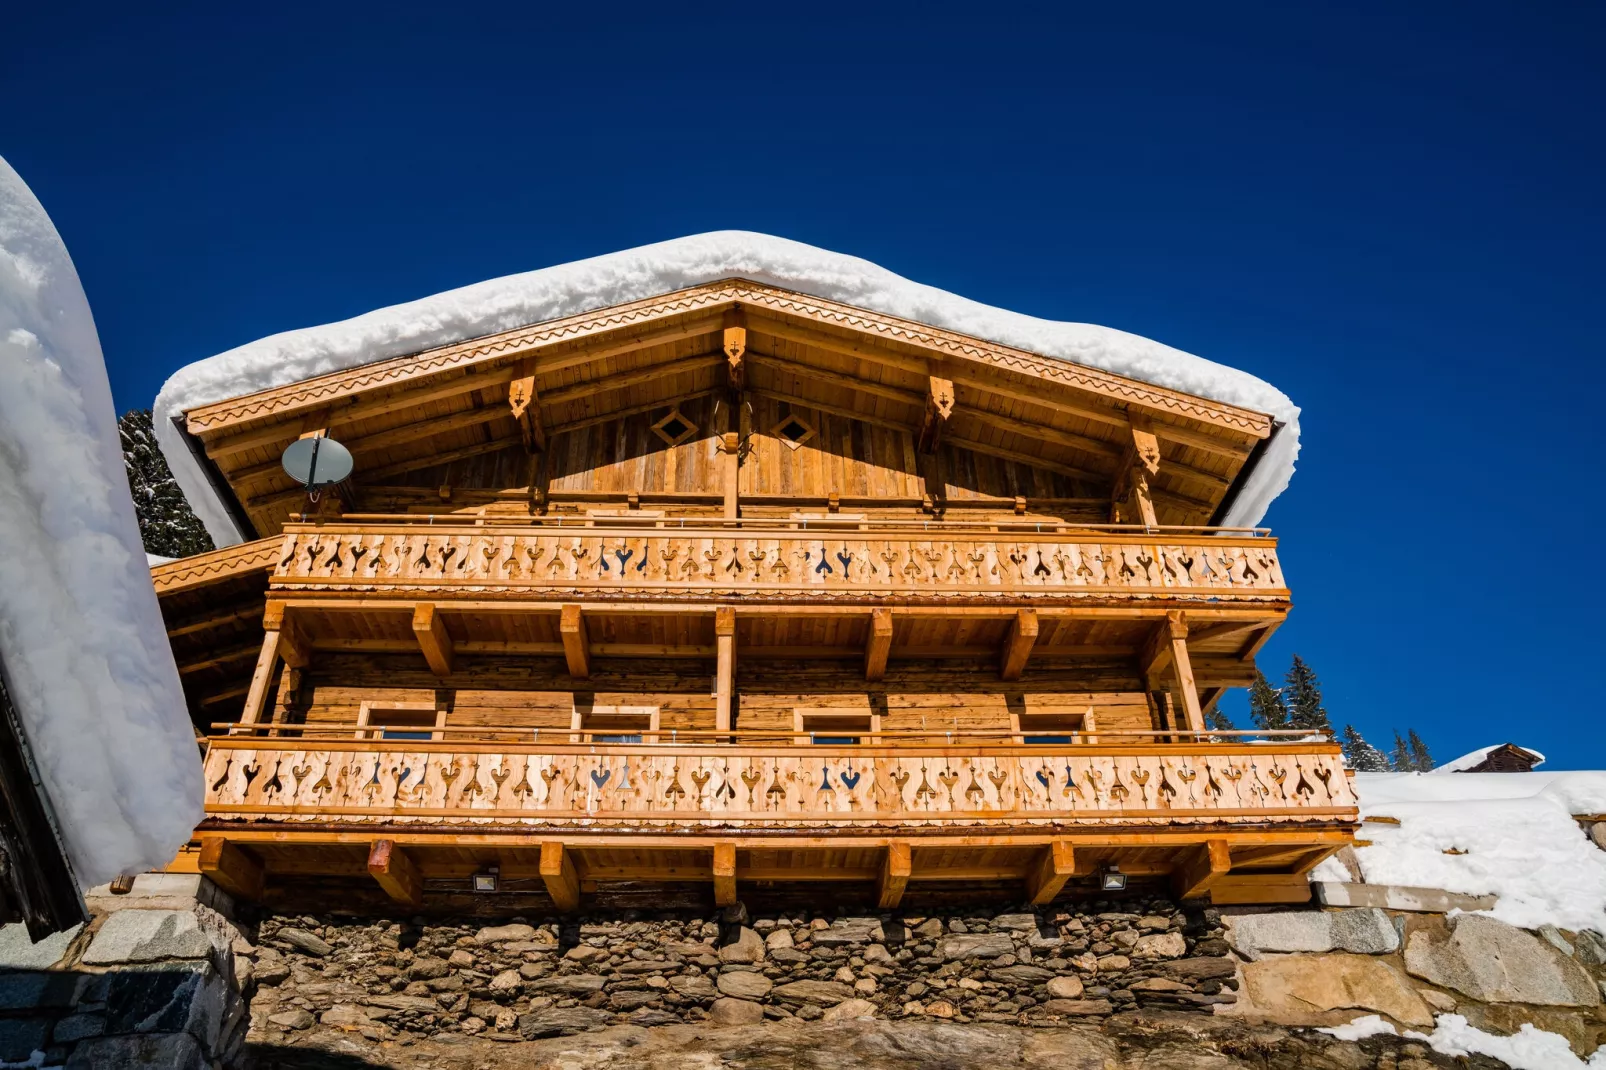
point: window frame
(805, 736)
(366, 729)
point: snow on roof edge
(515, 301)
(1474, 758)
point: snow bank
(1526, 1049)
(653, 270)
(90, 670)
(1516, 829)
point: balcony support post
(724, 873)
(1183, 669)
(1018, 647)
(725, 668)
(256, 698)
(562, 880)
(433, 639)
(1053, 869)
(896, 868)
(576, 644)
(230, 868)
(397, 875)
(879, 645)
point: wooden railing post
(725, 668)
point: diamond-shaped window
(793, 430)
(675, 428)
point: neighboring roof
(654, 270)
(1471, 761)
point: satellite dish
(316, 463)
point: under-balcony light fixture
(486, 881)
(1114, 880)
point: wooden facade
(741, 587)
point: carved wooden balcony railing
(700, 559)
(979, 784)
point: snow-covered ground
(1526, 1049)
(91, 672)
(1516, 831)
(653, 270)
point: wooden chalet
(740, 589)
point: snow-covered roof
(654, 270)
(1473, 759)
(91, 673)
(1515, 834)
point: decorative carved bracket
(525, 405)
(735, 346)
(939, 407)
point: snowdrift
(91, 673)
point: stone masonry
(544, 977)
(155, 981)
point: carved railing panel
(774, 787)
(666, 563)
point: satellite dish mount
(316, 463)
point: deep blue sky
(1392, 211)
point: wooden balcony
(944, 807)
(826, 560)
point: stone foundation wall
(542, 977)
(154, 981)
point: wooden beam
(725, 668)
(525, 405)
(561, 879)
(1198, 867)
(1018, 647)
(257, 697)
(576, 644)
(896, 867)
(1048, 464)
(1038, 432)
(231, 868)
(1144, 461)
(1053, 868)
(433, 638)
(397, 875)
(730, 448)
(939, 407)
(221, 657)
(724, 873)
(879, 644)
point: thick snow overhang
(1044, 390)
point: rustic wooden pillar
(1018, 646)
(725, 668)
(256, 698)
(396, 873)
(1182, 667)
(433, 638)
(724, 873)
(1054, 867)
(561, 878)
(879, 644)
(1198, 868)
(576, 644)
(896, 869)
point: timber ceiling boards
(406, 411)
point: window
(675, 428)
(833, 727)
(793, 430)
(1054, 726)
(614, 724)
(400, 720)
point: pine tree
(1304, 698)
(1401, 761)
(1421, 760)
(167, 526)
(1361, 755)
(1266, 706)
(1217, 721)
